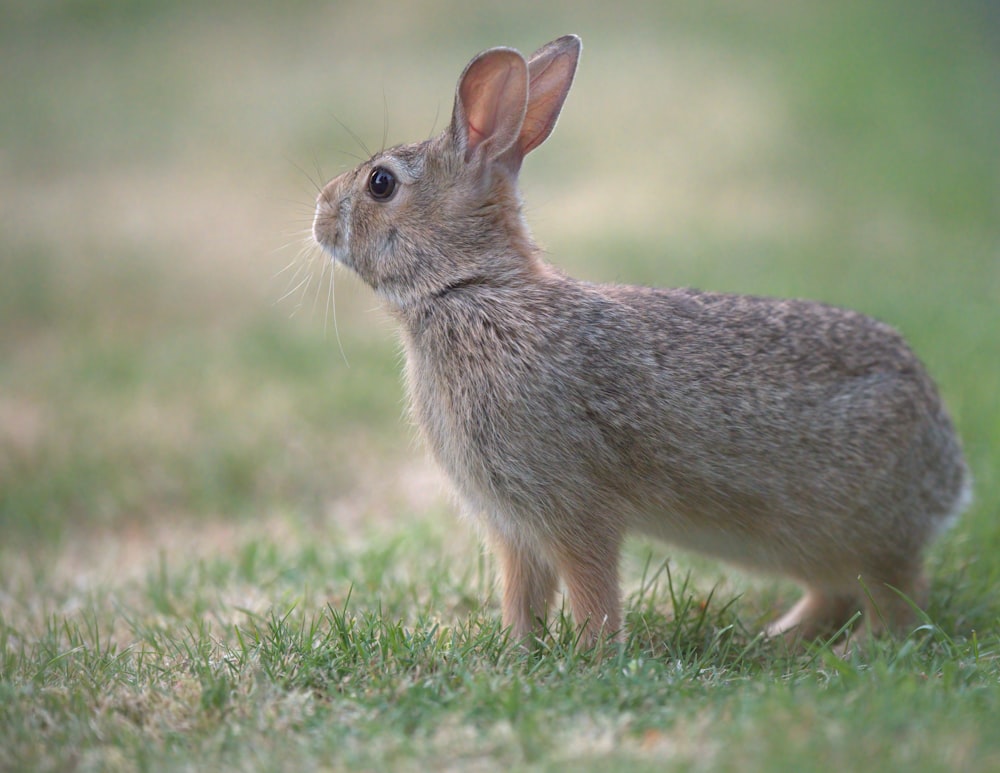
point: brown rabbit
(781, 435)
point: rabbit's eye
(381, 183)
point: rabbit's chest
(487, 429)
(459, 415)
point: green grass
(221, 547)
(351, 666)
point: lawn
(222, 547)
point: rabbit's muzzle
(331, 227)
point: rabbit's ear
(490, 103)
(550, 75)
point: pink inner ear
(550, 82)
(476, 135)
(493, 94)
(486, 103)
(537, 125)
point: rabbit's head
(416, 220)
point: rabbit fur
(785, 436)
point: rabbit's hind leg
(819, 612)
(891, 604)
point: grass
(221, 547)
(357, 671)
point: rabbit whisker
(316, 182)
(355, 137)
(303, 265)
(385, 119)
(319, 285)
(331, 311)
(302, 235)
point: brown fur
(781, 435)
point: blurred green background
(159, 160)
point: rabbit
(783, 436)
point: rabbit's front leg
(529, 586)
(588, 565)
